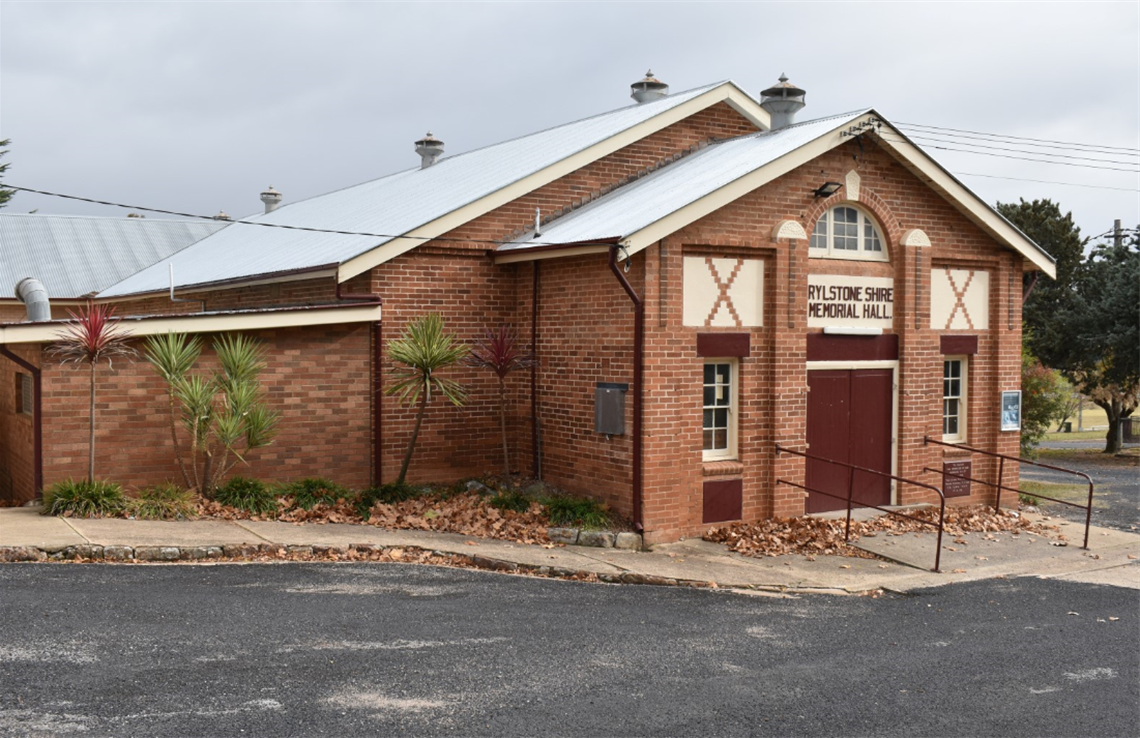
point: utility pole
(1118, 242)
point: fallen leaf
(1112, 619)
(845, 566)
(1073, 613)
(959, 571)
(471, 543)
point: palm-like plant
(422, 350)
(173, 355)
(500, 352)
(224, 414)
(94, 334)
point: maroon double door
(849, 420)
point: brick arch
(889, 226)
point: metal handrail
(851, 469)
(1001, 476)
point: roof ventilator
(429, 148)
(782, 101)
(271, 198)
(34, 295)
(648, 89)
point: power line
(285, 226)
(1048, 181)
(1020, 138)
(1026, 159)
(926, 137)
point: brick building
(702, 278)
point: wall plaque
(953, 486)
(836, 300)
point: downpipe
(638, 375)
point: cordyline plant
(94, 334)
(223, 413)
(500, 352)
(422, 350)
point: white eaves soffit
(964, 200)
(700, 206)
(49, 332)
(726, 92)
(923, 166)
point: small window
(954, 399)
(24, 394)
(847, 233)
(720, 386)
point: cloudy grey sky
(198, 106)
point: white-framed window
(954, 378)
(845, 232)
(721, 385)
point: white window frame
(730, 452)
(822, 245)
(962, 397)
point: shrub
(389, 494)
(511, 500)
(163, 502)
(315, 490)
(576, 511)
(251, 495)
(83, 499)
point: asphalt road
(387, 649)
(1116, 490)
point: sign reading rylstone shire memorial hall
(838, 300)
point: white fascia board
(209, 323)
(965, 201)
(515, 256)
(738, 188)
(911, 156)
(727, 93)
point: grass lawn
(1077, 493)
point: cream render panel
(723, 292)
(959, 299)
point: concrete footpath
(1113, 557)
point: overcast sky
(198, 106)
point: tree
(224, 413)
(1099, 335)
(94, 334)
(1043, 222)
(499, 351)
(1071, 401)
(5, 194)
(422, 350)
(1043, 397)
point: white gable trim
(969, 204)
(911, 156)
(727, 93)
(48, 332)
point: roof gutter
(554, 250)
(37, 417)
(638, 375)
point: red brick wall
(317, 378)
(774, 380)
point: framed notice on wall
(1011, 410)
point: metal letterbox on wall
(609, 408)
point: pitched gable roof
(649, 209)
(74, 256)
(415, 205)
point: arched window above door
(845, 232)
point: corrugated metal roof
(74, 256)
(390, 206)
(628, 209)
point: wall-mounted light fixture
(827, 189)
